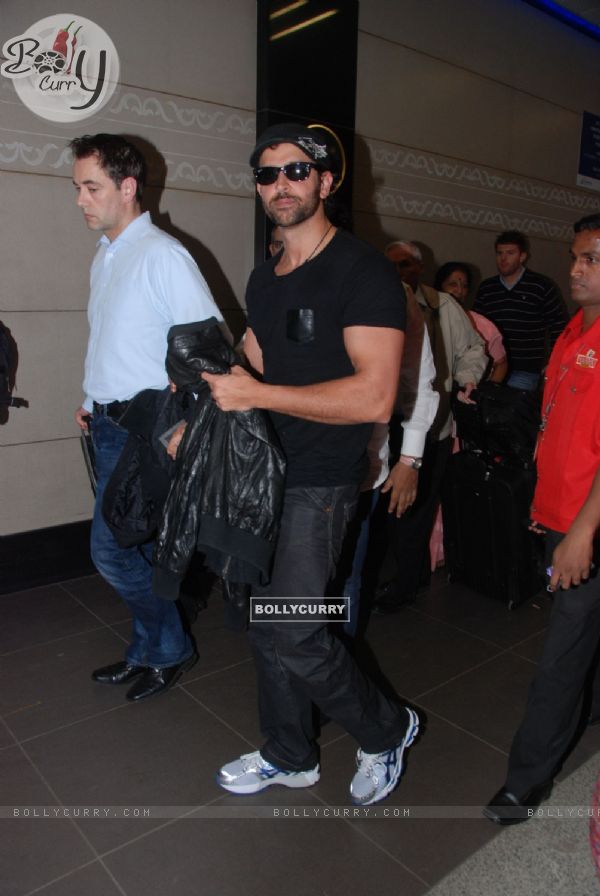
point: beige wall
(468, 119)
(468, 123)
(188, 87)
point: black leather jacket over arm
(226, 497)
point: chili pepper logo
(64, 45)
(63, 68)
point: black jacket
(226, 496)
(135, 494)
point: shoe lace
(253, 762)
(368, 762)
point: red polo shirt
(569, 446)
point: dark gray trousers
(554, 703)
(301, 663)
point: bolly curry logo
(64, 68)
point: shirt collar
(134, 231)
(512, 285)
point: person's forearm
(353, 399)
(499, 371)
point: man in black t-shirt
(326, 317)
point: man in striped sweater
(526, 307)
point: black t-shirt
(298, 320)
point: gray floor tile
(298, 857)
(417, 653)
(483, 616)
(40, 615)
(231, 696)
(33, 850)
(7, 739)
(530, 648)
(164, 752)
(487, 702)
(51, 686)
(92, 880)
(98, 597)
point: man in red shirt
(566, 507)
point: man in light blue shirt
(143, 282)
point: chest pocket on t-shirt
(583, 377)
(300, 325)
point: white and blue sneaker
(251, 773)
(378, 773)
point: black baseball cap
(308, 140)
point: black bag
(503, 423)
(487, 542)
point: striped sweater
(530, 317)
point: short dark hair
(590, 222)
(449, 268)
(116, 155)
(515, 237)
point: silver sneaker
(251, 773)
(379, 773)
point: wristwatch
(414, 462)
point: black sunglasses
(268, 174)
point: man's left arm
(572, 559)
(366, 396)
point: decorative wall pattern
(410, 183)
(205, 146)
(185, 115)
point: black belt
(114, 410)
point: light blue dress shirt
(142, 283)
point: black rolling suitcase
(487, 543)
(503, 423)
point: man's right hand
(81, 418)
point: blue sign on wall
(588, 174)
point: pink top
(491, 334)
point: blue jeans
(299, 663)
(158, 638)
(523, 379)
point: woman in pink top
(454, 277)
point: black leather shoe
(155, 681)
(505, 808)
(117, 673)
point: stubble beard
(301, 211)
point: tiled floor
(69, 744)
